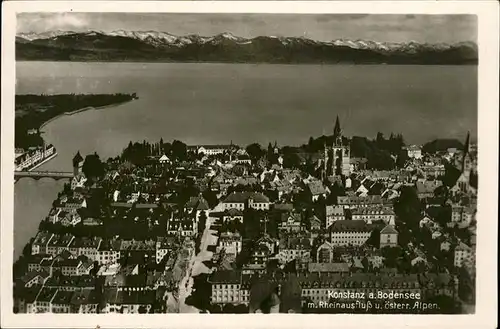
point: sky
(322, 27)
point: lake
(216, 103)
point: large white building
(370, 214)
(349, 232)
(228, 288)
(239, 200)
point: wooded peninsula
(33, 111)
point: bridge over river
(43, 174)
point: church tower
(466, 159)
(340, 152)
(77, 164)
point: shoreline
(244, 63)
(83, 109)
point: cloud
(41, 22)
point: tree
(380, 140)
(93, 167)
(255, 152)
(391, 255)
(465, 285)
(179, 150)
(408, 207)
(374, 239)
(402, 158)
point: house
(181, 226)
(34, 261)
(349, 232)
(334, 213)
(462, 214)
(54, 215)
(108, 252)
(212, 149)
(294, 248)
(128, 302)
(464, 254)
(328, 268)
(59, 243)
(232, 215)
(253, 200)
(88, 247)
(33, 278)
(353, 201)
(164, 159)
(374, 213)
(227, 288)
(164, 245)
(199, 205)
(425, 188)
(61, 303)
(388, 237)
(290, 222)
(324, 253)
(78, 181)
(438, 284)
(316, 190)
(76, 267)
(39, 245)
(230, 242)
(85, 301)
(414, 152)
(316, 226)
(70, 219)
(43, 301)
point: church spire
(337, 132)
(466, 151)
(467, 143)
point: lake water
(217, 103)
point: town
(171, 228)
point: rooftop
(241, 197)
(349, 226)
(46, 294)
(218, 277)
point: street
(196, 266)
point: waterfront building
(40, 243)
(77, 164)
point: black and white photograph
(247, 162)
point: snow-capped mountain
(155, 45)
(30, 36)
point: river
(217, 103)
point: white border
(486, 306)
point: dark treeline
(34, 110)
(138, 153)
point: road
(196, 265)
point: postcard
(249, 164)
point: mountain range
(225, 47)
